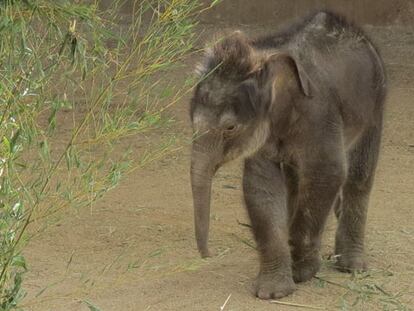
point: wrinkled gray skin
(304, 109)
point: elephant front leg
(265, 198)
(315, 198)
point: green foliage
(75, 82)
(91, 306)
(366, 290)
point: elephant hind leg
(352, 213)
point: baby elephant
(304, 108)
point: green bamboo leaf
(19, 261)
(215, 2)
(91, 306)
(13, 143)
(167, 92)
(6, 146)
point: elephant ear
(280, 77)
(282, 72)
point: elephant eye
(230, 129)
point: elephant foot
(305, 268)
(350, 263)
(274, 286)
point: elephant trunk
(204, 163)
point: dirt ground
(135, 249)
(277, 12)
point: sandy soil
(135, 249)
